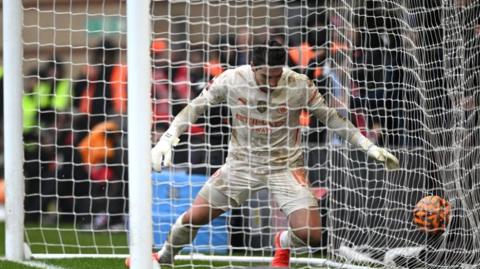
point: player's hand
(162, 152)
(382, 155)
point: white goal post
(139, 107)
(15, 190)
(78, 131)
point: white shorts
(233, 184)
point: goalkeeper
(265, 99)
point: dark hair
(272, 54)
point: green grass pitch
(70, 241)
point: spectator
(100, 98)
(52, 91)
(313, 38)
(472, 57)
(217, 129)
(365, 99)
(103, 158)
(313, 51)
(213, 66)
(101, 89)
(46, 99)
(171, 91)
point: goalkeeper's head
(267, 63)
(272, 54)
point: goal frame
(13, 130)
(140, 231)
(138, 31)
(140, 192)
(139, 108)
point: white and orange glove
(162, 152)
(382, 155)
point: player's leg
(210, 203)
(185, 229)
(290, 190)
(305, 228)
(304, 231)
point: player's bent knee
(200, 215)
(306, 226)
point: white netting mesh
(405, 72)
(75, 126)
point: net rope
(406, 73)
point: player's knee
(197, 216)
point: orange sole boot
(282, 255)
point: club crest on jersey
(261, 106)
(282, 109)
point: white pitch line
(37, 264)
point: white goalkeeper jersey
(265, 125)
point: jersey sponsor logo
(258, 122)
(262, 130)
(261, 106)
(258, 125)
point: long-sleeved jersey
(265, 125)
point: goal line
(214, 258)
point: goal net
(406, 73)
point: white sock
(289, 239)
(284, 240)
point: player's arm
(162, 152)
(346, 129)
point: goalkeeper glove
(379, 154)
(382, 155)
(163, 151)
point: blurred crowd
(75, 127)
(75, 145)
